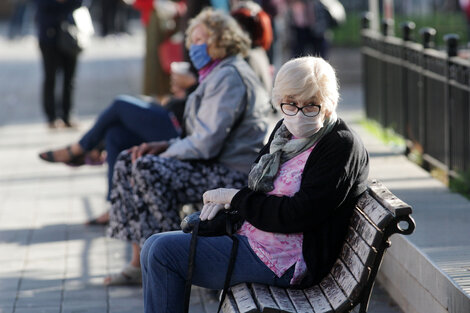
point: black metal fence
(421, 93)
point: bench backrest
(378, 214)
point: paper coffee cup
(180, 67)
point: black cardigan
(334, 176)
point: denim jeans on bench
(164, 261)
(127, 122)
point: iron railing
(420, 92)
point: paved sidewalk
(49, 261)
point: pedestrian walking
(50, 16)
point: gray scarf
(282, 149)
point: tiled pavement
(49, 261)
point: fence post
(366, 24)
(407, 30)
(387, 26)
(365, 20)
(452, 41)
(428, 34)
(382, 77)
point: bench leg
(364, 304)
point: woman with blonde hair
(296, 207)
(224, 131)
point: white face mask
(302, 126)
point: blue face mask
(199, 56)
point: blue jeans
(164, 261)
(127, 122)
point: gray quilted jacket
(214, 108)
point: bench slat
(368, 232)
(345, 280)
(354, 264)
(243, 298)
(388, 199)
(335, 295)
(375, 212)
(363, 250)
(282, 299)
(264, 299)
(229, 305)
(299, 301)
(318, 300)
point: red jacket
(145, 7)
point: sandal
(101, 220)
(96, 222)
(130, 275)
(74, 160)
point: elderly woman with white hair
(296, 207)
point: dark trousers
(127, 122)
(113, 17)
(15, 25)
(55, 62)
(306, 42)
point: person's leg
(143, 119)
(50, 63)
(123, 214)
(137, 121)
(300, 43)
(118, 138)
(146, 195)
(15, 25)
(162, 185)
(136, 124)
(320, 46)
(122, 15)
(105, 17)
(69, 64)
(164, 260)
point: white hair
(306, 78)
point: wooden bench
(377, 215)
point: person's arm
(219, 107)
(326, 182)
(179, 83)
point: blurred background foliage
(443, 15)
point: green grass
(461, 184)
(386, 135)
(348, 34)
(443, 22)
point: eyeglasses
(291, 109)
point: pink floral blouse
(280, 251)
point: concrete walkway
(49, 261)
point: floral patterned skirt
(147, 195)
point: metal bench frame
(378, 214)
